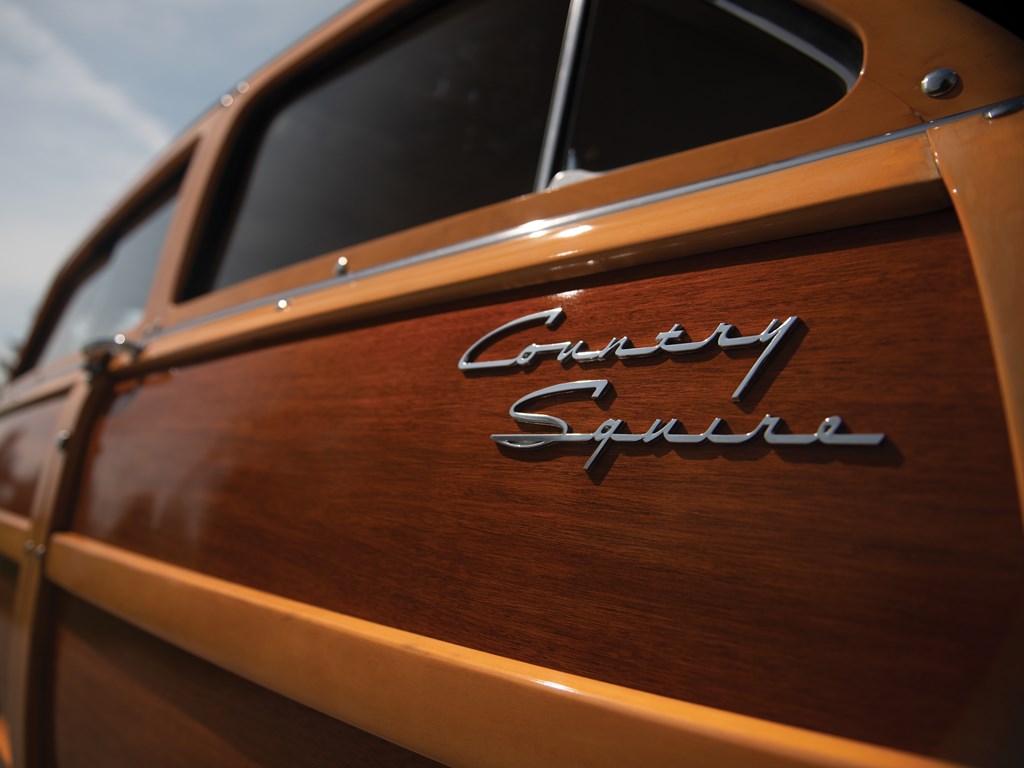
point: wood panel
(8, 582)
(14, 530)
(465, 708)
(773, 206)
(864, 592)
(123, 698)
(26, 437)
(886, 98)
(982, 165)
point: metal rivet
(282, 304)
(63, 438)
(29, 545)
(341, 266)
(39, 551)
(227, 100)
(242, 87)
(939, 82)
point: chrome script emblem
(611, 431)
(667, 342)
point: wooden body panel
(887, 97)
(464, 708)
(121, 697)
(8, 582)
(26, 438)
(332, 454)
(865, 592)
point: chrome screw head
(341, 266)
(939, 82)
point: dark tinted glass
(444, 115)
(662, 76)
(113, 294)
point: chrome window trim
(525, 230)
(560, 93)
(783, 35)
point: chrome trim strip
(524, 230)
(566, 65)
(783, 35)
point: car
(556, 383)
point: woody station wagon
(557, 383)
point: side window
(447, 111)
(111, 295)
(445, 114)
(661, 76)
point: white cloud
(89, 94)
(70, 141)
(49, 69)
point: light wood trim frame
(787, 203)
(36, 389)
(982, 165)
(5, 742)
(887, 97)
(453, 704)
(24, 647)
(14, 530)
(174, 161)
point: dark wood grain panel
(26, 437)
(866, 592)
(124, 698)
(8, 582)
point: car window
(444, 115)
(448, 111)
(661, 76)
(111, 294)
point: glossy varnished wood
(887, 97)
(14, 529)
(862, 592)
(123, 698)
(773, 206)
(982, 162)
(8, 582)
(26, 438)
(27, 642)
(465, 708)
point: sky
(91, 93)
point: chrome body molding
(556, 222)
(837, 68)
(560, 94)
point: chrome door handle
(100, 352)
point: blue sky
(91, 93)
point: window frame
(353, 31)
(879, 104)
(143, 199)
(219, 219)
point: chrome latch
(99, 353)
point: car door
(585, 383)
(96, 307)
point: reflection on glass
(112, 296)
